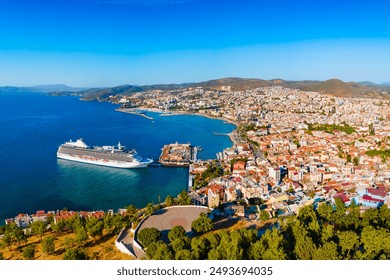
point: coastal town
(290, 149)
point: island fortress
(112, 156)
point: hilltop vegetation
(74, 238)
(323, 234)
(326, 233)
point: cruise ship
(112, 156)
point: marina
(45, 182)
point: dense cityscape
(290, 146)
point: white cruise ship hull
(109, 163)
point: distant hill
(349, 89)
(42, 88)
(333, 87)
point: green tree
(349, 242)
(355, 161)
(7, 239)
(1, 256)
(264, 215)
(269, 247)
(349, 158)
(214, 254)
(376, 243)
(149, 209)
(58, 227)
(181, 244)
(163, 252)
(74, 223)
(327, 251)
(81, 235)
(118, 222)
(108, 222)
(303, 246)
(152, 248)
(352, 218)
(16, 234)
(308, 219)
(199, 248)
(169, 201)
(325, 211)
(384, 216)
(48, 246)
(183, 198)
(202, 224)
(230, 246)
(29, 252)
(94, 227)
(148, 235)
(177, 232)
(38, 228)
(370, 218)
(75, 254)
(69, 243)
(2, 230)
(327, 233)
(131, 211)
(183, 255)
(339, 214)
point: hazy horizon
(190, 82)
(99, 43)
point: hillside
(333, 87)
(99, 248)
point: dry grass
(232, 225)
(102, 248)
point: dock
(178, 155)
(134, 112)
(218, 133)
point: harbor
(133, 186)
(178, 154)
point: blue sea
(33, 125)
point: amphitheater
(165, 219)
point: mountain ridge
(42, 88)
(333, 87)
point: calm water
(32, 126)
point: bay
(33, 125)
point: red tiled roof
(377, 192)
(327, 189)
(369, 198)
(237, 179)
(239, 165)
(343, 197)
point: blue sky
(115, 42)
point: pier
(134, 112)
(178, 154)
(219, 133)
